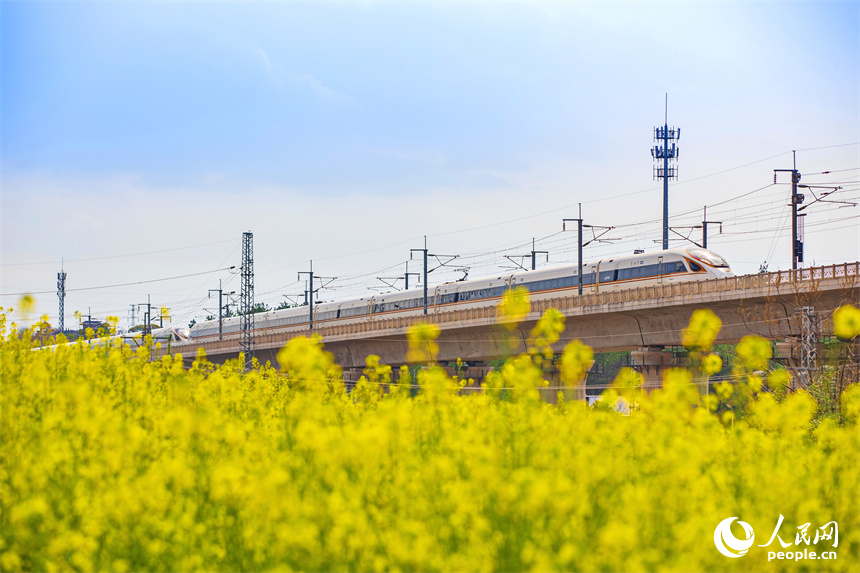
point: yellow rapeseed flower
(576, 360)
(754, 352)
(26, 304)
(846, 322)
(711, 364)
(422, 342)
(778, 379)
(514, 307)
(702, 330)
(143, 465)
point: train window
(709, 257)
(649, 270)
(695, 267)
(631, 273)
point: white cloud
(280, 76)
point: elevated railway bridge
(645, 321)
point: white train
(164, 335)
(616, 273)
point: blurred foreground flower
(846, 322)
(422, 342)
(514, 307)
(702, 331)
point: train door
(660, 270)
(597, 277)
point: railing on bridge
(794, 280)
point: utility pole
(131, 320)
(533, 256)
(147, 316)
(580, 227)
(309, 294)
(61, 294)
(424, 250)
(535, 253)
(665, 154)
(246, 298)
(426, 271)
(220, 308)
(705, 224)
(407, 275)
(579, 243)
(796, 199)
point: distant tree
(192, 323)
(284, 304)
(211, 317)
(260, 307)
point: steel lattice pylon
(61, 294)
(807, 344)
(246, 303)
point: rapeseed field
(110, 461)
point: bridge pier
(651, 362)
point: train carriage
(616, 273)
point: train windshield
(709, 257)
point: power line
(117, 285)
(116, 256)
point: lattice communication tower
(246, 301)
(61, 294)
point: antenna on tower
(665, 172)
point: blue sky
(345, 132)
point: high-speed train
(163, 335)
(609, 274)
